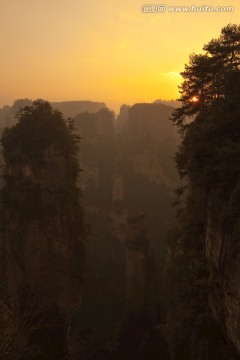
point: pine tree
(206, 75)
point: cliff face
(44, 231)
(136, 263)
(149, 141)
(201, 321)
(127, 170)
(141, 288)
(205, 244)
(130, 169)
(72, 108)
(224, 292)
(47, 251)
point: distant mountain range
(68, 108)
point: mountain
(128, 180)
(67, 108)
(43, 236)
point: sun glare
(194, 99)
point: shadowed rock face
(124, 173)
(131, 170)
(48, 243)
(224, 294)
(44, 229)
(127, 169)
(72, 108)
(136, 264)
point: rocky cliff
(141, 288)
(127, 170)
(222, 252)
(203, 262)
(131, 169)
(43, 228)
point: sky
(101, 50)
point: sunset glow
(99, 50)
(194, 99)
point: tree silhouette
(207, 75)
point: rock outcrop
(72, 108)
(136, 264)
(127, 169)
(44, 229)
(224, 294)
(203, 269)
(142, 284)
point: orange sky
(100, 50)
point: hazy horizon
(115, 108)
(115, 53)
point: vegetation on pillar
(208, 159)
(44, 231)
(30, 149)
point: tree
(207, 75)
(208, 158)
